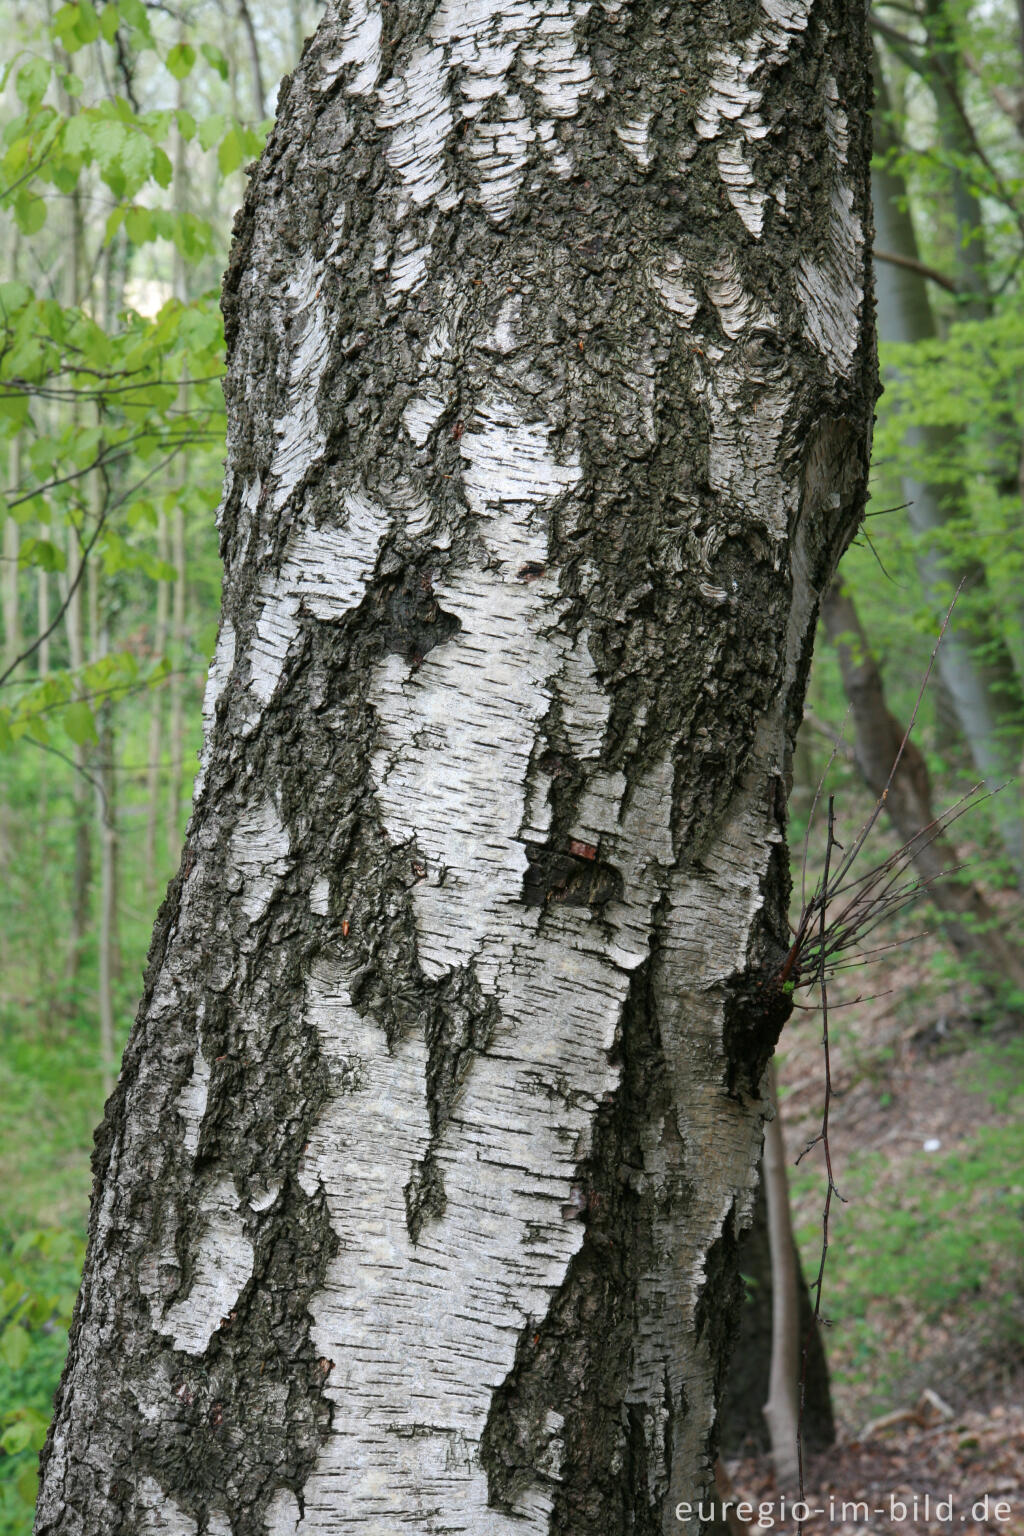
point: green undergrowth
(926, 1259)
(51, 1100)
(39, 1272)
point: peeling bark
(551, 375)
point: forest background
(126, 126)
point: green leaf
(88, 25)
(18, 1437)
(115, 219)
(14, 296)
(34, 509)
(27, 1486)
(229, 155)
(64, 24)
(138, 223)
(134, 13)
(163, 171)
(215, 59)
(193, 236)
(79, 722)
(6, 739)
(73, 84)
(180, 60)
(64, 174)
(43, 554)
(141, 514)
(107, 141)
(15, 416)
(32, 80)
(29, 212)
(14, 1347)
(109, 22)
(136, 159)
(78, 134)
(186, 124)
(211, 129)
(77, 25)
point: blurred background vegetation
(126, 126)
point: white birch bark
(540, 453)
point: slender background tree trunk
(742, 1421)
(782, 1409)
(974, 661)
(154, 799)
(179, 598)
(550, 383)
(969, 922)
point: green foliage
(943, 1244)
(965, 388)
(103, 407)
(122, 138)
(39, 1272)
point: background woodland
(125, 128)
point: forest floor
(924, 1282)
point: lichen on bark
(550, 382)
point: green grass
(51, 1100)
(923, 1247)
(39, 1273)
(50, 1103)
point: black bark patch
(460, 1022)
(414, 621)
(757, 1005)
(576, 1360)
(573, 879)
(222, 1447)
(715, 1317)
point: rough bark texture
(550, 383)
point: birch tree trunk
(550, 382)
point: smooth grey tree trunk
(154, 765)
(782, 1408)
(550, 380)
(944, 72)
(974, 661)
(742, 1427)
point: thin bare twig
(72, 588)
(894, 259)
(823, 1137)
